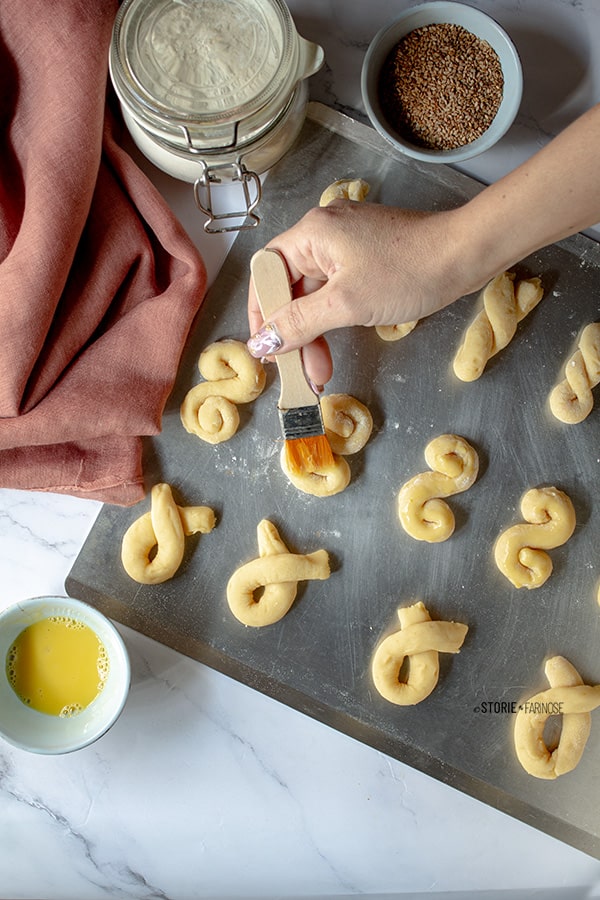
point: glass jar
(212, 91)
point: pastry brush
(306, 446)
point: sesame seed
(441, 86)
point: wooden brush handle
(272, 286)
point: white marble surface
(205, 788)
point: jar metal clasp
(235, 172)
(251, 191)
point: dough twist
(422, 640)
(504, 306)
(520, 550)
(569, 696)
(345, 189)
(324, 482)
(278, 571)
(163, 527)
(395, 332)
(571, 401)
(232, 376)
(422, 513)
(348, 423)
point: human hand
(357, 264)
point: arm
(367, 264)
(552, 195)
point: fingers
(267, 338)
(358, 264)
(297, 324)
(318, 364)
(279, 336)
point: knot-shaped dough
(504, 306)
(571, 401)
(278, 571)
(422, 640)
(345, 189)
(520, 550)
(568, 696)
(348, 423)
(422, 512)
(164, 528)
(232, 376)
(395, 332)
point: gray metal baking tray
(317, 659)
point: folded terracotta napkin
(98, 281)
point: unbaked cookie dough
(277, 571)
(504, 306)
(395, 332)
(422, 512)
(232, 376)
(323, 482)
(567, 696)
(348, 423)
(520, 552)
(422, 640)
(163, 529)
(345, 189)
(571, 401)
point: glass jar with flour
(212, 91)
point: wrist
(479, 247)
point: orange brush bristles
(308, 454)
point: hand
(357, 264)
(366, 264)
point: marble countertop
(206, 788)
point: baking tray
(317, 659)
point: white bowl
(38, 732)
(479, 24)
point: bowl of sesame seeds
(442, 83)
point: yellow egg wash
(57, 666)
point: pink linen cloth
(99, 283)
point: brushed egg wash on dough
(57, 666)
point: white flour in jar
(210, 55)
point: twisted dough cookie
(345, 189)
(164, 527)
(395, 332)
(569, 696)
(422, 513)
(504, 306)
(232, 376)
(348, 423)
(324, 482)
(422, 641)
(520, 550)
(278, 571)
(571, 401)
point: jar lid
(196, 62)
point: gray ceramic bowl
(479, 24)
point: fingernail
(317, 388)
(265, 341)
